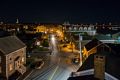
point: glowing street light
(53, 39)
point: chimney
(99, 67)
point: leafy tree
(45, 43)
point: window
(89, 28)
(10, 58)
(85, 28)
(10, 67)
(101, 57)
(23, 59)
(81, 28)
(96, 56)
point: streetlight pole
(72, 44)
(50, 46)
(80, 39)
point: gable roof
(111, 66)
(92, 44)
(102, 37)
(10, 44)
(116, 35)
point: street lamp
(53, 38)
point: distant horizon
(13, 20)
(112, 23)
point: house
(12, 56)
(73, 28)
(103, 63)
(92, 47)
(41, 28)
(86, 39)
(3, 33)
(107, 63)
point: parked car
(39, 64)
(76, 60)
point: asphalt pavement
(58, 66)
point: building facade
(12, 56)
(89, 29)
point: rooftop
(87, 77)
(102, 37)
(10, 44)
(92, 44)
(111, 67)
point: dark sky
(58, 11)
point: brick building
(12, 56)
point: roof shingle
(10, 44)
(92, 44)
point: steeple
(17, 21)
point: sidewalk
(25, 75)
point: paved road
(57, 66)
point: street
(58, 66)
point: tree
(45, 43)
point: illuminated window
(23, 59)
(85, 28)
(10, 67)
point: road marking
(54, 71)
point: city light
(60, 40)
(53, 38)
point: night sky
(58, 11)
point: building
(104, 38)
(12, 56)
(93, 47)
(116, 36)
(101, 37)
(86, 39)
(41, 28)
(102, 65)
(75, 28)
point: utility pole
(49, 44)
(72, 43)
(80, 39)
